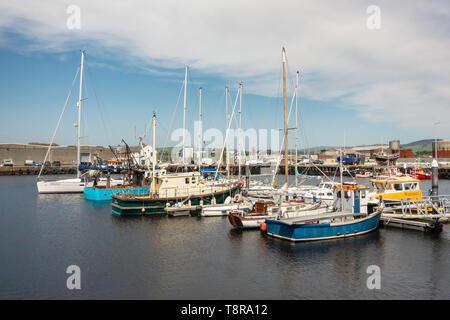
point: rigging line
(85, 133)
(59, 121)
(99, 104)
(226, 136)
(172, 120)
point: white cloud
(399, 73)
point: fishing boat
(349, 219)
(263, 210)
(168, 189)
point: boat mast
(184, 113)
(201, 127)
(285, 119)
(240, 128)
(79, 115)
(226, 129)
(296, 128)
(154, 153)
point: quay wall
(329, 170)
(67, 155)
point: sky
(359, 84)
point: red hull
(421, 176)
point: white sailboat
(74, 185)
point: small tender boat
(182, 209)
(236, 203)
(364, 174)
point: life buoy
(242, 183)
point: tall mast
(240, 128)
(184, 112)
(226, 128)
(79, 115)
(201, 127)
(154, 153)
(296, 128)
(285, 119)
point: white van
(8, 163)
(29, 162)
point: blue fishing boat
(350, 218)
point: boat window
(415, 186)
(363, 194)
(193, 179)
(187, 180)
(380, 187)
(407, 186)
(398, 187)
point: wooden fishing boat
(263, 210)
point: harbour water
(199, 258)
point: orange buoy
(263, 227)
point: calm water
(199, 258)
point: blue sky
(355, 85)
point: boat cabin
(354, 197)
(395, 189)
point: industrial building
(67, 155)
(443, 148)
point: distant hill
(420, 145)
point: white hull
(75, 185)
(216, 210)
(61, 186)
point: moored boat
(263, 210)
(350, 218)
(238, 202)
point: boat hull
(104, 194)
(222, 210)
(322, 231)
(61, 186)
(144, 205)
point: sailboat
(74, 185)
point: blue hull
(103, 194)
(323, 231)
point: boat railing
(423, 207)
